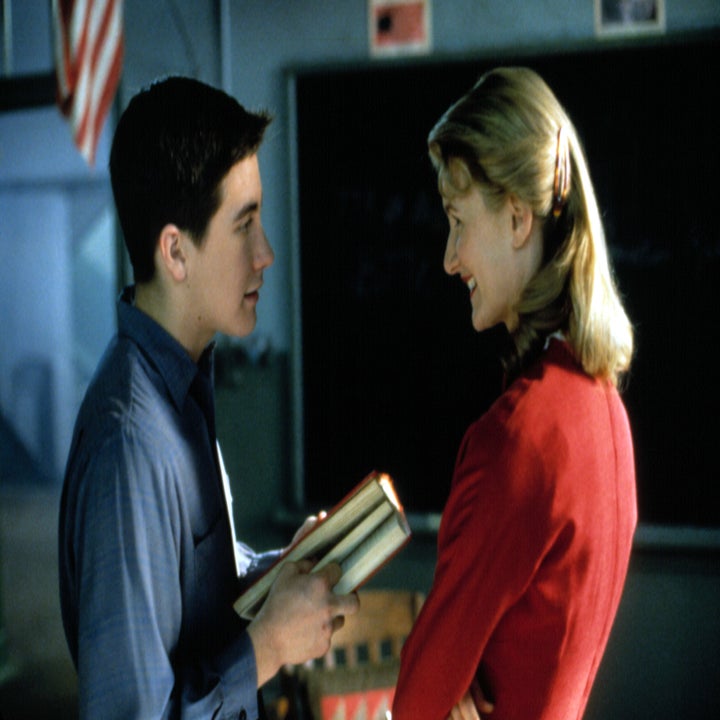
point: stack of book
(361, 533)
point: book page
(343, 549)
(372, 553)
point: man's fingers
(303, 566)
(337, 623)
(332, 572)
(346, 604)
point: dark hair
(173, 146)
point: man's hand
(298, 618)
(309, 523)
(471, 705)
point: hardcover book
(361, 533)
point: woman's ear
(171, 252)
(522, 221)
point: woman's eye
(456, 227)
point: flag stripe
(91, 75)
(89, 52)
(63, 61)
(100, 96)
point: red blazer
(533, 551)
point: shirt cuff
(238, 679)
(251, 564)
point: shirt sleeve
(129, 601)
(489, 543)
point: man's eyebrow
(246, 209)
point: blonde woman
(535, 538)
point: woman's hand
(471, 705)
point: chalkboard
(392, 372)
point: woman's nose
(450, 261)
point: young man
(149, 566)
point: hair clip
(561, 184)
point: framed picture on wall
(615, 18)
(399, 27)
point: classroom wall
(247, 47)
(662, 657)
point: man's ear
(171, 252)
(522, 218)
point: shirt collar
(557, 335)
(172, 361)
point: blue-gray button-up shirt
(147, 566)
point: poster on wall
(617, 18)
(399, 27)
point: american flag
(88, 62)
